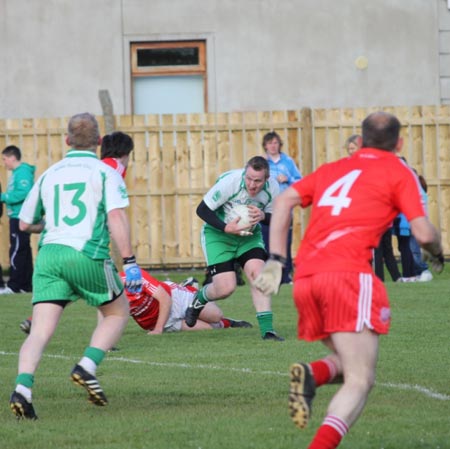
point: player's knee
(362, 382)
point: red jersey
(354, 200)
(144, 308)
(116, 165)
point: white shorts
(181, 299)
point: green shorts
(63, 273)
(219, 247)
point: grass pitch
(227, 388)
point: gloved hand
(133, 275)
(269, 280)
(437, 262)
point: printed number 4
(337, 194)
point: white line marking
(418, 388)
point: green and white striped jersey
(75, 196)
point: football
(238, 210)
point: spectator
(352, 144)
(81, 207)
(20, 255)
(285, 171)
(384, 254)
(339, 300)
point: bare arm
(119, 227)
(281, 219)
(165, 304)
(426, 235)
(31, 228)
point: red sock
(323, 371)
(330, 433)
(225, 322)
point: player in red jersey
(339, 299)
(161, 307)
(115, 151)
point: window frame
(178, 70)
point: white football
(238, 210)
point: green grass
(227, 388)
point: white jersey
(230, 190)
(75, 196)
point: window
(169, 77)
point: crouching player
(161, 307)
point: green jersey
(75, 196)
(230, 190)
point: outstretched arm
(165, 304)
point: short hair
(352, 139)
(116, 144)
(83, 132)
(270, 136)
(259, 163)
(381, 130)
(12, 150)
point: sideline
(417, 388)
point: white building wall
(262, 54)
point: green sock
(201, 295)
(25, 379)
(265, 321)
(94, 354)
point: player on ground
(225, 240)
(82, 201)
(339, 299)
(161, 307)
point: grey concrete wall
(262, 54)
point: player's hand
(133, 275)
(436, 262)
(233, 227)
(269, 280)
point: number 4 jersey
(354, 200)
(75, 196)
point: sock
(201, 296)
(24, 391)
(92, 357)
(225, 322)
(217, 325)
(265, 321)
(324, 371)
(24, 382)
(330, 433)
(25, 379)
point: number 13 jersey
(75, 196)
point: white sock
(24, 391)
(89, 365)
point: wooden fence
(178, 157)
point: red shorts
(340, 302)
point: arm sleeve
(267, 219)
(208, 216)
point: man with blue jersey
(226, 241)
(82, 200)
(285, 171)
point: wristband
(278, 258)
(127, 260)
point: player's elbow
(424, 232)
(23, 226)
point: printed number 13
(337, 194)
(78, 189)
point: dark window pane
(155, 57)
